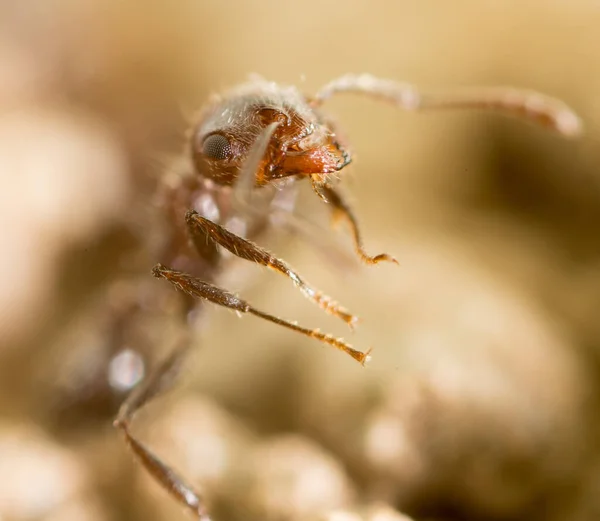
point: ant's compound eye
(217, 146)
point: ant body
(262, 136)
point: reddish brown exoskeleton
(249, 149)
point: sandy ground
(481, 398)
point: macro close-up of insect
(263, 135)
(287, 261)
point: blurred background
(482, 396)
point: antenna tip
(569, 124)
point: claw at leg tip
(353, 322)
(367, 357)
(157, 270)
(382, 257)
(569, 124)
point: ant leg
(341, 209)
(161, 379)
(202, 227)
(197, 288)
(541, 109)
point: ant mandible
(262, 135)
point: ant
(249, 149)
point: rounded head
(303, 142)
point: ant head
(292, 136)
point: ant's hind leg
(160, 380)
(341, 209)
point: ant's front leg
(201, 228)
(341, 209)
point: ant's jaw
(321, 160)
